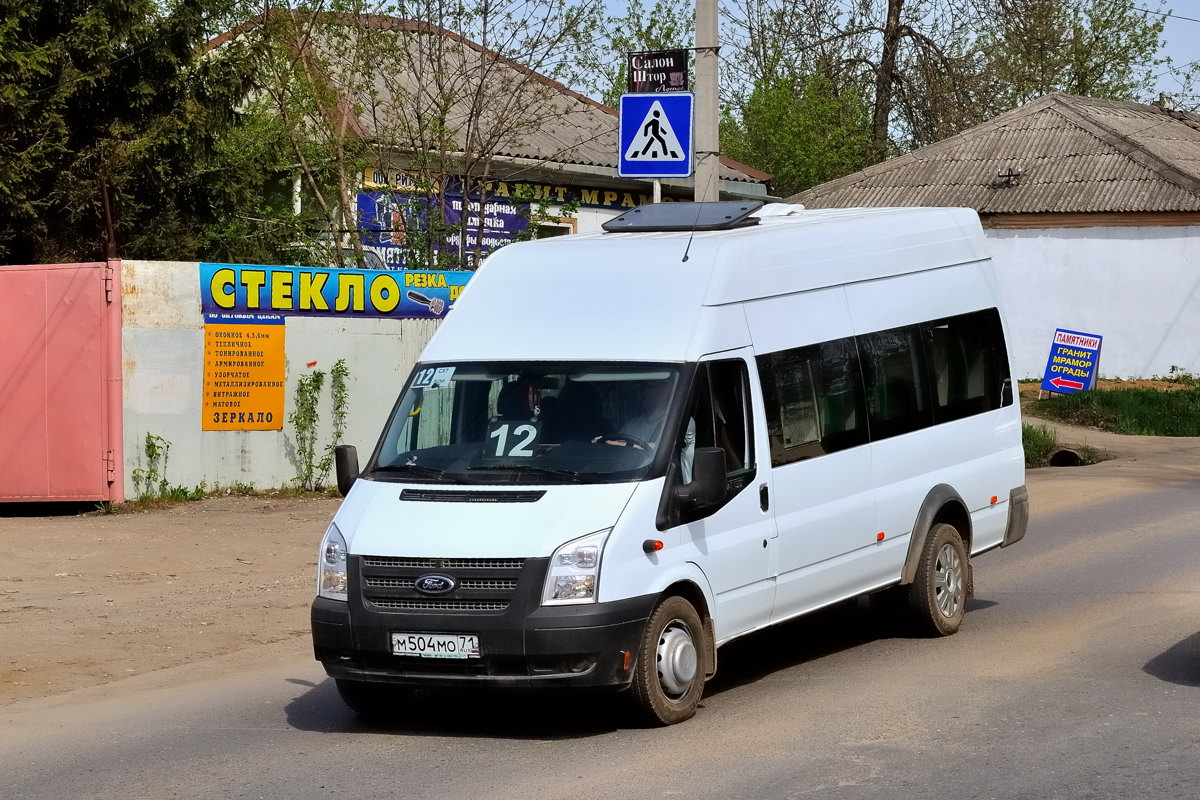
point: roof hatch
(719, 216)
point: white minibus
(625, 449)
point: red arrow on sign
(1061, 382)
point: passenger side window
(721, 415)
(893, 366)
(814, 401)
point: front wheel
(937, 596)
(669, 678)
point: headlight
(331, 565)
(575, 571)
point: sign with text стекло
(327, 291)
(1072, 363)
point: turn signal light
(879, 536)
(652, 545)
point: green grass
(1143, 412)
(1040, 442)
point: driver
(645, 426)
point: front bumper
(525, 645)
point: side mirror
(708, 486)
(345, 456)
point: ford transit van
(623, 450)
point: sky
(1183, 42)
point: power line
(1165, 14)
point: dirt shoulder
(91, 599)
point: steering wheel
(630, 441)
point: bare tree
(435, 91)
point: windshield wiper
(544, 470)
(417, 469)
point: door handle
(764, 500)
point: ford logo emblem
(436, 584)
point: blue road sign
(1072, 364)
(656, 135)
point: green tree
(802, 134)
(665, 25)
(1094, 48)
(927, 69)
(112, 130)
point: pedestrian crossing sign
(656, 135)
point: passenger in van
(519, 399)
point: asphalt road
(1076, 675)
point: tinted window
(968, 364)
(894, 375)
(814, 400)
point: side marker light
(879, 536)
(652, 545)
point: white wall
(162, 353)
(1139, 288)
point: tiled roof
(1057, 154)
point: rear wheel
(937, 597)
(669, 678)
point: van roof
(527, 296)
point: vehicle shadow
(1179, 663)
(465, 713)
(556, 715)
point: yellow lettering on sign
(350, 291)
(311, 286)
(628, 201)
(425, 280)
(221, 287)
(281, 290)
(590, 196)
(610, 198)
(501, 189)
(385, 294)
(253, 280)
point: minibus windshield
(529, 422)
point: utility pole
(708, 185)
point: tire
(668, 679)
(937, 597)
(367, 699)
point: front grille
(439, 605)
(483, 585)
(408, 583)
